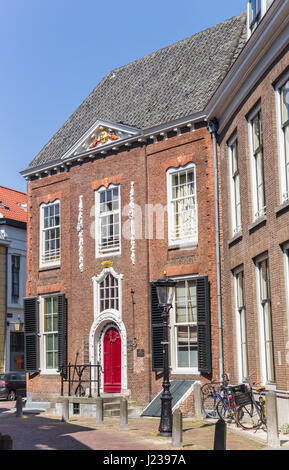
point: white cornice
(140, 136)
(265, 44)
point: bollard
(99, 412)
(177, 434)
(220, 435)
(6, 442)
(198, 401)
(65, 410)
(19, 407)
(123, 414)
(273, 439)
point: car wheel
(11, 396)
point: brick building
(13, 217)
(252, 107)
(136, 150)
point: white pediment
(101, 134)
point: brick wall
(146, 166)
(267, 237)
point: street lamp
(165, 291)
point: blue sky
(54, 52)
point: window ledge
(107, 254)
(52, 373)
(282, 207)
(49, 268)
(183, 246)
(258, 222)
(235, 238)
(191, 372)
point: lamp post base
(164, 434)
(166, 423)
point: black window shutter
(156, 331)
(62, 331)
(31, 355)
(204, 327)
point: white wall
(15, 311)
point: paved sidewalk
(44, 432)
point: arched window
(108, 293)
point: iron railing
(80, 375)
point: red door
(112, 361)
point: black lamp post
(165, 291)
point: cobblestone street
(44, 432)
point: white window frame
(286, 275)
(108, 252)
(193, 238)
(173, 336)
(239, 331)
(253, 22)
(42, 334)
(236, 228)
(284, 184)
(261, 322)
(257, 212)
(55, 262)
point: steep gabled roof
(13, 204)
(166, 85)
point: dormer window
(255, 13)
(4, 206)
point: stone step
(116, 405)
(111, 406)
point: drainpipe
(213, 129)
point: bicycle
(217, 400)
(250, 412)
(262, 400)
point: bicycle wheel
(207, 389)
(224, 411)
(209, 405)
(250, 416)
(262, 402)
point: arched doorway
(112, 361)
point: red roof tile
(13, 204)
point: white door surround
(103, 320)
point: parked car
(12, 385)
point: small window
(50, 234)
(108, 221)
(76, 408)
(15, 260)
(182, 205)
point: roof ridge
(14, 190)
